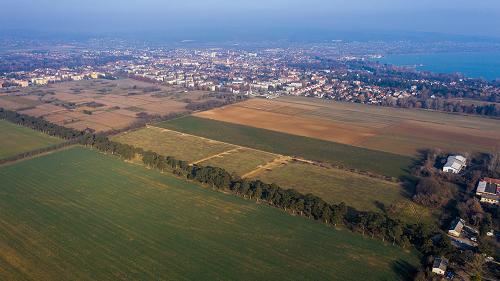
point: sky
(264, 19)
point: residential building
(455, 164)
(21, 83)
(439, 266)
(488, 190)
(456, 227)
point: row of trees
(490, 110)
(221, 99)
(39, 124)
(39, 151)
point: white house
(439, 266)
(454, 164)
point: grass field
(82, 215)
(313, 149)
(335, 186)
(169, 143)
(240, 161)
(16, 139)
(394, 130)
(355, 190)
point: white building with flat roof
(455, 164)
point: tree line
(39, 124)
(39, 151)
(441, 104)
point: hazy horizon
(258, 19)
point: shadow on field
(380, 205)
(408, 181)
(404, 269)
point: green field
(335, 186)
(169, 143)
(378, 162)
(17, 139)
(355, 190)
(81, 215)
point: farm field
(171, 143)
(332, 185)
(197, 150)
(83, 215)
(17, 139)
(240, 161)
(378, 162)
(101, 105)
(399, 131)
(335, 185)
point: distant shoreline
(471, 64)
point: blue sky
(274, 18)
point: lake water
(471, 64)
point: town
(263, 72)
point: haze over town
(258, 19)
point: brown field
(26, 102)
(164, 107)
(110, 119)
(292, 124)
(126, 112)
(42, 110)
(400, 131)
(64, 117)
(83, 125)
(120, 102)
(10, 105)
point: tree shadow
(381, 206)
(404, 269)
(409, 180)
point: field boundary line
(294, 158)
(11, 162)
(216, 155)
(275, 162)
(212, 140)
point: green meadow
(15, 139)
(81, 215)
